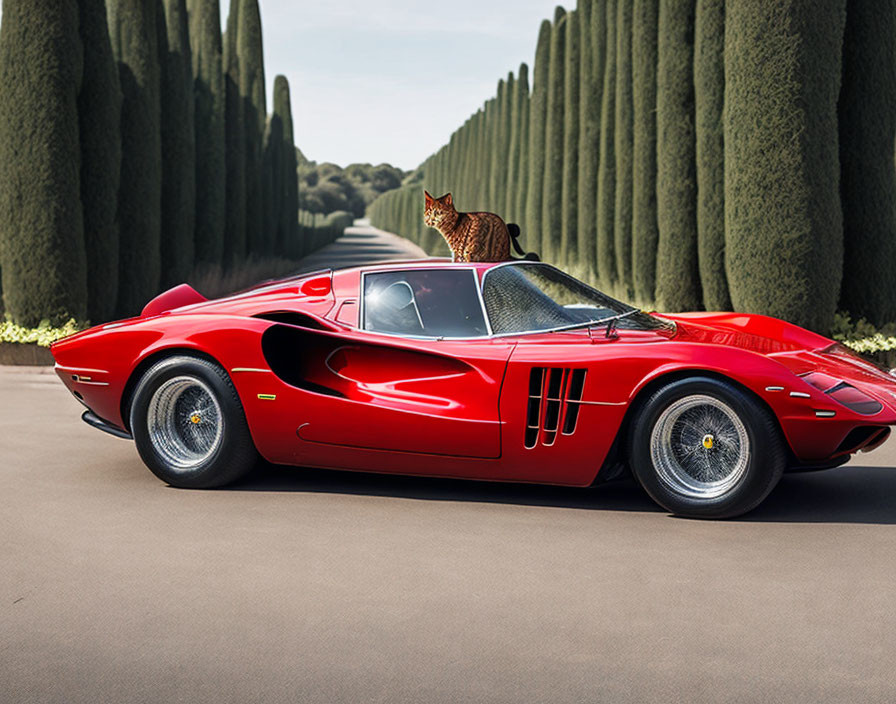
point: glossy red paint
(349, 398)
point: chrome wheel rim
(184, 422)
(700, 447)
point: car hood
(755, 333)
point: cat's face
(436, 209)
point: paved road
(310, 586)
(359, 245)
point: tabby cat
(472, 237)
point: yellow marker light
(708, 442)
(268, 397)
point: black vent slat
(533, 408)
(553, 404)
(573, 398)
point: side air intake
(555, 396)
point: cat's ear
(428, 197)
(446, 199)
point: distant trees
(326, 188)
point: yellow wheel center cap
(708, 441)
(194, 419)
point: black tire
(206, 463)
(671, 470)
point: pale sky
(390, 80)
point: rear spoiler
(182, 295)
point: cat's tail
(514, 230)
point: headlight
(844, 393)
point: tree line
(136, 145)
(694, 154)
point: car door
(420, 374)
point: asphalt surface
(302, 585)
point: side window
(424, 302)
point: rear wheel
(704, 448)
(189, 426)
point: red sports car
(513, 372)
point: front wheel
(704, 448)
(189, 426)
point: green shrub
(43, 335)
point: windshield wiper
(612, 320)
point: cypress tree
(709, 99)
(513, 155)
(289, 204)
(234, 249)
(208, 92)
(593, 34)
(677, 278)
(623, 145)
(570, 187)
(552, 198)
(503, 195)
(272, 172)
(606, 174)
(132, 29)
(867, 177)
(41, 228)
(99, 121)
(784, 236)
(644, 226)
(522, 169)
(538, 104)
(178, 144)
(496, 153)
(252, 91)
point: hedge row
(115, 136)
(695, 154)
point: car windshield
(531, 297)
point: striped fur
(472, 237)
